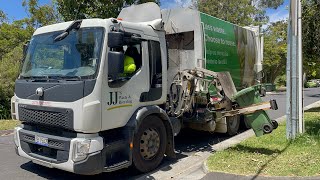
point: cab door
(121, 95)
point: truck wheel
(149, 144)
(243, 123)
(233, 123)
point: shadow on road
(314, 95)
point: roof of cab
(64, 25)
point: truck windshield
(78, 55)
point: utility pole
(294, 111)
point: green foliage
(241, 12)
(281, 81)
(311, 68)
(3, 17)
(12, 35)
(4, 112)
(82, 9)
(40, 15)
(275, 51)
(9, 68)
(311, 30)
(311, 84)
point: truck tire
(233, 123)
(149, 144)
(243, 123)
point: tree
(82, 9)
(310, 30)
(3, 17)
(241, 12)
(275, 50)
(40, 15)
(9, 68)
(311, 37)
(13, 35)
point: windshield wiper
(34, 77)
(75, 25)
(52, 78)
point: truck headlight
(15, 136)
(81, 149)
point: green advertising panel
(229, 48)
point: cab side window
(155, 73)
(155, 65)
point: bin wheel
(263, 92)
(267, 129)
(233, 123)
(149, 144)
(275, 124)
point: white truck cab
(79, 109)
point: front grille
(56, 144)
(57, 150)
(56, 117)
(28, 138)
(51, 143)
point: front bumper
(60, 151)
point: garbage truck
(81, 112)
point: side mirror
(115, 39)
(25, 48)
(115, 64)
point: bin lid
(244, 92)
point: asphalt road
(187, 143)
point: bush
(311, 84)
(281, 81)
(9, 70)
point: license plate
(41, 140)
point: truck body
(82, 114)
(213, 44)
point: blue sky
(15, 11)
(14, 8)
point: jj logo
(113, 100)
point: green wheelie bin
(259, 121)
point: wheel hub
(149, 143)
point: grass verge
(273, 154)
(8, 124)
